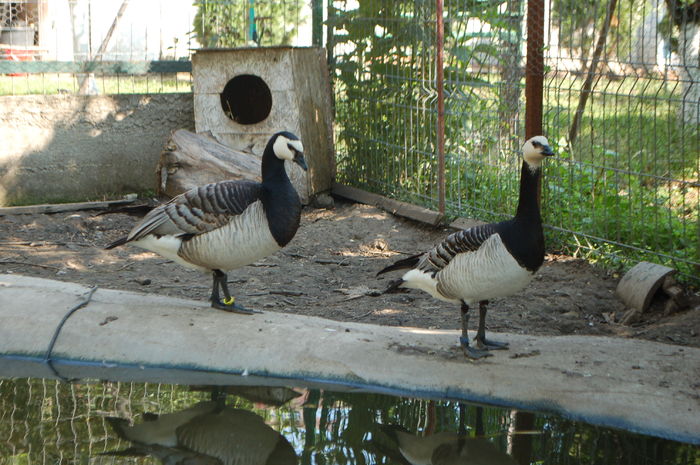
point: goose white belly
(487, 273)
(245, 239)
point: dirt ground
(328, 270)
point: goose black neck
(528, 205)
(272, 169)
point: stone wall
(57, 148)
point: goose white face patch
(282, 148)
(533, 154)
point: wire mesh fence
(625, 184)
(626, 188)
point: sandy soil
(329, 270)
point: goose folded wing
(199, 210)
(464, 241)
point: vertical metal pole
(534, 71)
(440, 78)
(252, 33)
(534, 74)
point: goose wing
(464, 241)
(199, 210)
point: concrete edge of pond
(637, 385)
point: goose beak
(547, 151)
(299, 160)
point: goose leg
(469, 352)
(481, 341)
(228, 304)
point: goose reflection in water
(446, 448)
(208, 433)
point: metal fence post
(534, 71)
(440, 78)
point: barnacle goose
(226, 225)
(207, 433)
(487, 261)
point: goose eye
(536, 144)
(291, 148)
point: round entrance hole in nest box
(246, 99)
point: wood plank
(407, 210)
(64, 207)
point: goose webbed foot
(233, 308)
(228, 304)
(488, 344)
(471, 352)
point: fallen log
(189, 160)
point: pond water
(52, 422)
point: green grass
(629, 185)
(68, 84)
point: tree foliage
(220, 24)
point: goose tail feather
(117, 243)
(405, 263)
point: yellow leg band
(229, 301)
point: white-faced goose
(487, 261)
(226, 225)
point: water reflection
(448, 448)
(207, 433)
(47, 422)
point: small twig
(17, 262)
(287, 292)
(263, 265)
(325, 261)
(296, 255)
(182, 286)
(359, 317)
(125, 266)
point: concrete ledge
(637, 385)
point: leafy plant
(220, 24)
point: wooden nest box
(243, 96)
